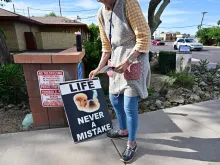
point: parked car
(187, 42)
(157, 42)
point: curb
(218, 47)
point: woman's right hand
(93, 73)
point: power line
(62, 11)
(178, 27)
(210, 20)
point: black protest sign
(86, 108)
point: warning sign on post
(49, 87)
(86, 108)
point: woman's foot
(129, 153)
(117, 134)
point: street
(209, 53)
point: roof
(7, 13)
(55, 21)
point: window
(180, 40)
(189, 40)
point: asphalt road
(209, 53)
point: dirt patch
(11, 121)
(11, 117)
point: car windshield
(158, 40)
(189, 40)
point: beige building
(37, 33)
(168, 36)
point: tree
(5, 57)
(154, 20)
(178, 33)
(218, 23)
(93, 48)
(204, 36)
(209, 34)
(52, 14)
(1, 4)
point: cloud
(88, 4)
(177, 12)
(171, 20)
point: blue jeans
(126, 109)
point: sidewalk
(210, 65)
(218, 47)
(177, 136)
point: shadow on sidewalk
(204, 149)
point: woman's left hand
(121, 68)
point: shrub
(183, 79)
(167, 61)
(12, 84)
(1, 31)
(93, 48)
(93, 54)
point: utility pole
(203, 14)
(28, 12)
(14, 7)
(60, 9)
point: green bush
(93, 48)
(12, 84)
(1, 31)
(183, 79)
(167, 61)
(93, 54)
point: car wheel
(175, 47)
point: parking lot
(212, 54)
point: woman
(125, 37)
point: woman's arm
(103, 60)
(140, 27)
(106, 50)
(142, 32)
(106, 47)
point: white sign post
(49, 87)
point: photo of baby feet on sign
(83, 104)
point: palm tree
(218, 23)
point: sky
(180, 15)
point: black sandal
(115, 134)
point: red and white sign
(49, 87)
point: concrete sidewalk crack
(203, 125)
(117, 150)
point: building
(167, 36)
(40, 33)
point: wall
(67, 30)
(20, 29)
(57, 40)
(39, 41)
(9, 29)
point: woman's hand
(93, 73)
(121, 68)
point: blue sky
(179, 13)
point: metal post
(203, 14)
(60, 8)
(28, 12)
(14, 7)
